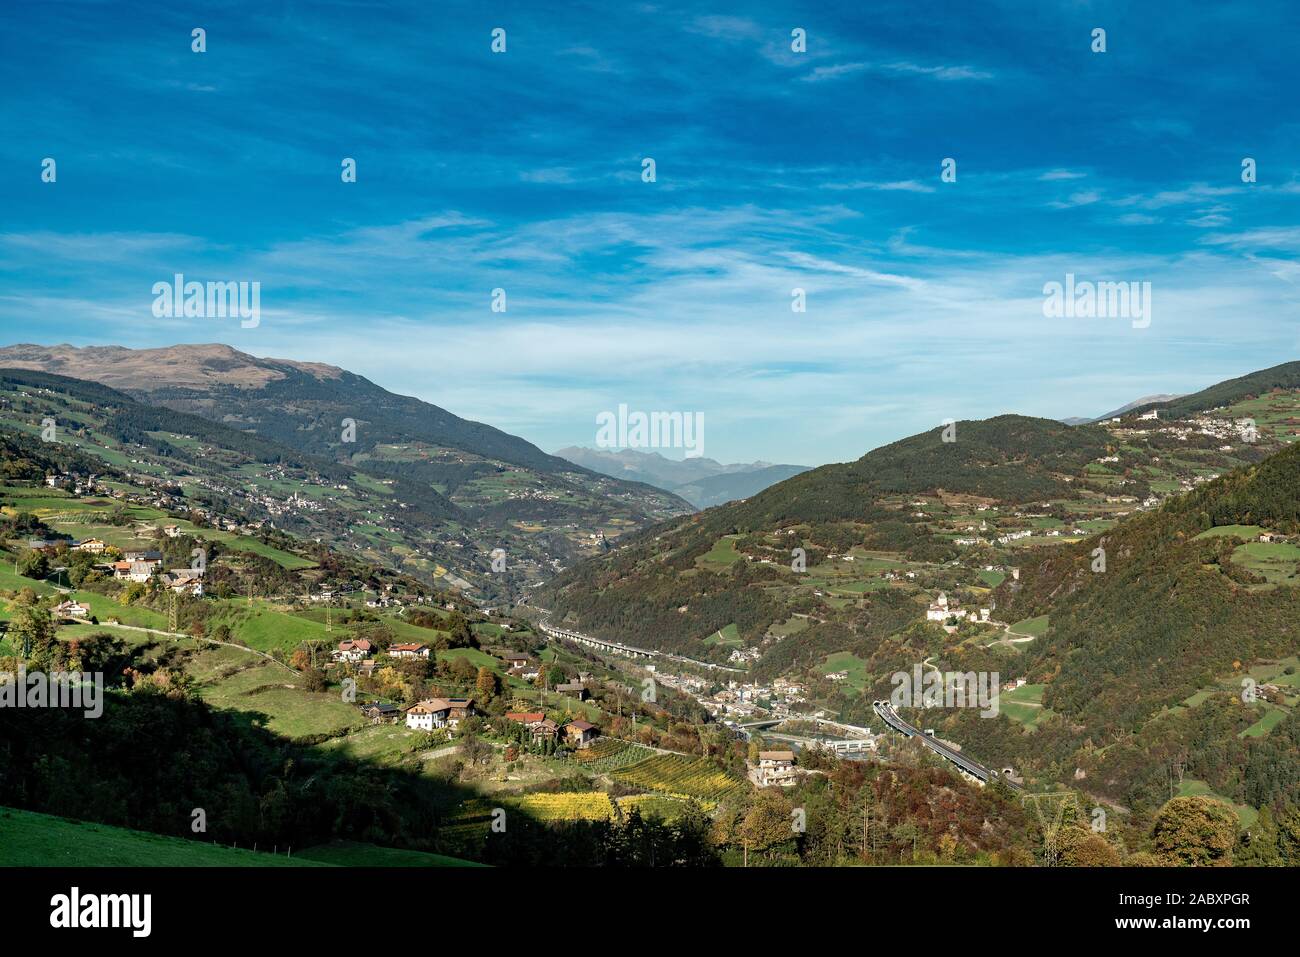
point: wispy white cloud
(898, 68)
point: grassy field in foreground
(29, 839)
(351, 854)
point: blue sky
(775, 170)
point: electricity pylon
(1053, 818)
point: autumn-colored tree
(487, 685)
(1195, 831)
(32, 628)
(33, 564)
(1142, 859)
(947, 846)
(462, 670)
(1081, 847)
(769, 821)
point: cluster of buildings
(433, 714)
(576, 734)
(135, 565)
(943, 609)
(75, 483)
(520, 666)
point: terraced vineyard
(679, 775)
(653, 806)
(571, 806)
(469, 825)
(611, 754)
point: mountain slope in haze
(701, 481)
(729, 486)
(495, 490)
(1144, 402)
(1284, 377)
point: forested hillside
(661, 588)
(1172, 610)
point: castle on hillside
(941, 609)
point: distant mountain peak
(701, 481)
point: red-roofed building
(350, 650)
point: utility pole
(172, 618)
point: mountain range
(426, 490)
(1116, 572)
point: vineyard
(667, 809)
(679, 775)
(472, 820)
(611, 754)
(572, 806)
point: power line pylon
(1050, 809)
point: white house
(438, 713)
(776, 768)
(354, 651)
(71, 609)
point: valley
(286, 612)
